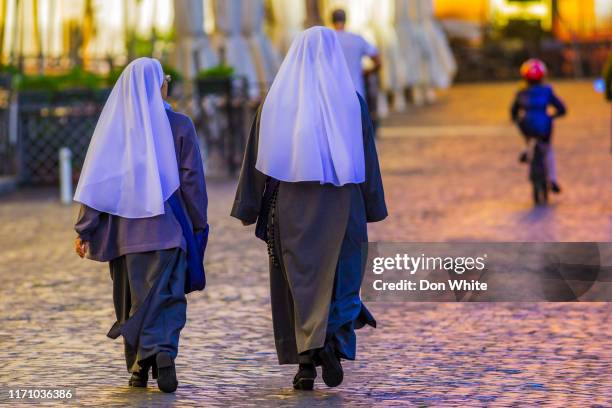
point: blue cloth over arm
(372, 189)
(190, 203)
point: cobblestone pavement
(450, 173)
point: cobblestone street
(451, 173)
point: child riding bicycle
(530, 112)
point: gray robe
(318, 232)
(150, 303)
(110, 236)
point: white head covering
(310, 127)
(130, 168)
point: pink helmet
(533, 69)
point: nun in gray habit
(311, 180)
(142, 154)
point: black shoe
(304, 379)
(332, 369)
(140, 378)
(555, 187)
(165, 372)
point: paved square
(451, 173)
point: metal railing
(223, 123)
(46, 122)
(7, 138)
(46, 127)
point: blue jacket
(530, 111)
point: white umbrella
(412, 42)
(425, 49)
(393, 71)
(442, 57)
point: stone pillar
(313, 14)
(229, 40)
(193, 51)
(288, 17)
(265, 57)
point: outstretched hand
(81, 247)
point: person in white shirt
(355, 48)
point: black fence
(223, 120)
(44, 122)
(7, 143)
(48, 123)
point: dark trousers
(150, 303)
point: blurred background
(59, 58)
(449, 158)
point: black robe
(318, 235)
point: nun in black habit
(311, 180)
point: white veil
(310, 128)
(130, 169)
